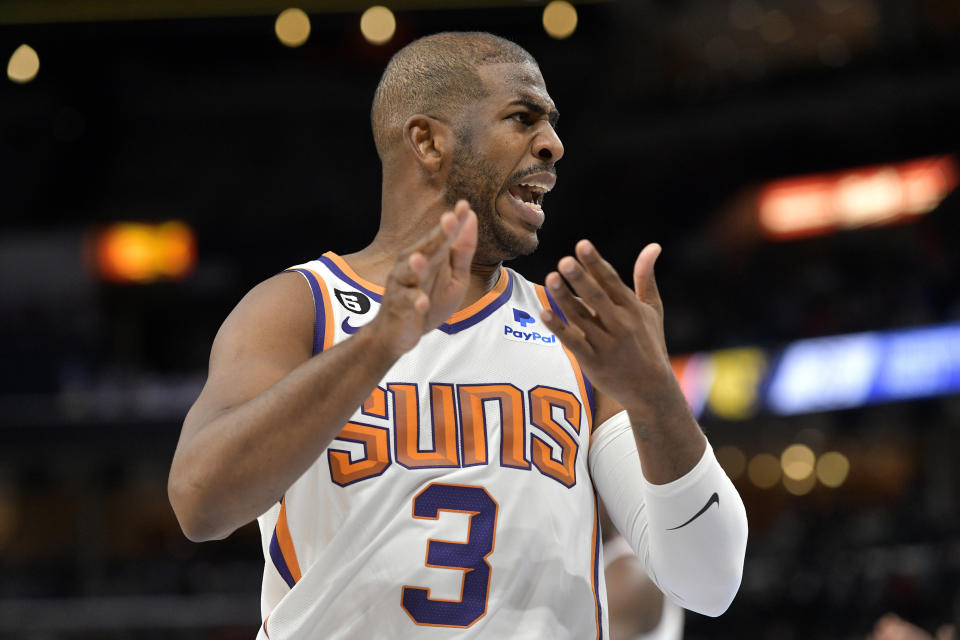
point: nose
(547, 145)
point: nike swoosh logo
(713, 499)
(347, 327)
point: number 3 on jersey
(469, 557)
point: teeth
(536, 187)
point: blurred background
(796, 159)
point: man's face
(504, 160)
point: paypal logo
(522, 317)
(519, 335)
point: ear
(428, 139)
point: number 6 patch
(353, 301)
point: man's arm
(269, 408)
(617, 336)
(634, 603)
(651, 464)
(689, 534)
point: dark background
(673, 113)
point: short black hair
(436, 76)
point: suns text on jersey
(459, 419)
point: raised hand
(615, 333)
(428, 281)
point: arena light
(797, 462)
(24, 64)
(877, 195)
(560, 19)
(764, 471)
(832, 469)
(378, 24)
(732, 460)
(799, 487)
(736, 377)
(292, 27)
(823, 374)
(694, 373)
(140, 253)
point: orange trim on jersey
(376, 403)
(327, 311)
(463, 314)
(486, 299)
(407, 425)
(265, 632)
(286, 542)
(542, 399)
(353, 275)
(581, 385)
(376, 445)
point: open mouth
(529, 195)
(528, 192)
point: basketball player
(421, 432)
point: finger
(573, 309)
(435, 249)
(586, 286)
(571, 336)
(407, 271)
(603, 272)
(644, 282)
(421, 302)
(465, 243)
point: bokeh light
(764, 470)
(24, 64)
(800, 487)
(797, 461)
(292, 27)
(832, 469)
(733, 461)
(560, 19)
(378, 24)
(134, 252)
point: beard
(475, 179)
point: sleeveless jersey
(457, 502)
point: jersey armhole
(323, 312)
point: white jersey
(457, 502)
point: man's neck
(375, 261)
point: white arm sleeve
(690, 534)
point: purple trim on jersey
(277, 556)
(590, 404)
(484, 313)
(337, 271)
(449, 329)
(553, 305)
(320, 314)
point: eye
(524, 117)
